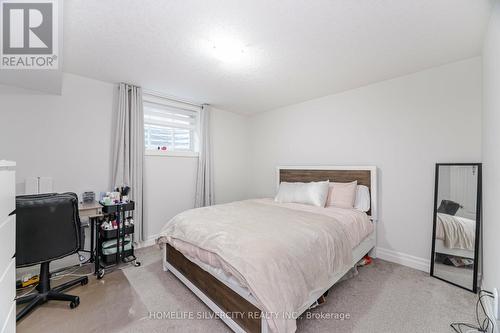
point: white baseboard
(148, 242)
(404, 259)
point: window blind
(170, 124)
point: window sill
(171, 153)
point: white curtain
(128, 149)
(205, 180)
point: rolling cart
(123, 250)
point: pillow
(448, 207)
(313, 193)
(342, 194)
(363, 199)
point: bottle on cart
(106, 225)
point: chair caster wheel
(75, 303)
(100, 274)
(84, 282)
(137, 263)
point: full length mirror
(457, 210)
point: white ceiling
(295, 50)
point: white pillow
(363, 199)
(342, 194)
(313, 193)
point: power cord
(64, 273)
(482, 326)
(31, 291)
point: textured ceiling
(294, 50)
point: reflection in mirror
(456, 224)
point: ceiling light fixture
(229, 51)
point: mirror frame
(478, 223)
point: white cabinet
(7, 247)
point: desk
(93, 211)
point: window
(170, 126)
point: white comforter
(282, 255)
(456, 232)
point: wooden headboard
(365, 175)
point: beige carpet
(383, 297)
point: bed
(243, 289)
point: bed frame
(236, 307)
(440, 247)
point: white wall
(491, 154)
(230, 138)
(66, 137)
(169, 188)
(403, 126)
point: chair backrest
(47, 227)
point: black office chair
(47, 228)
